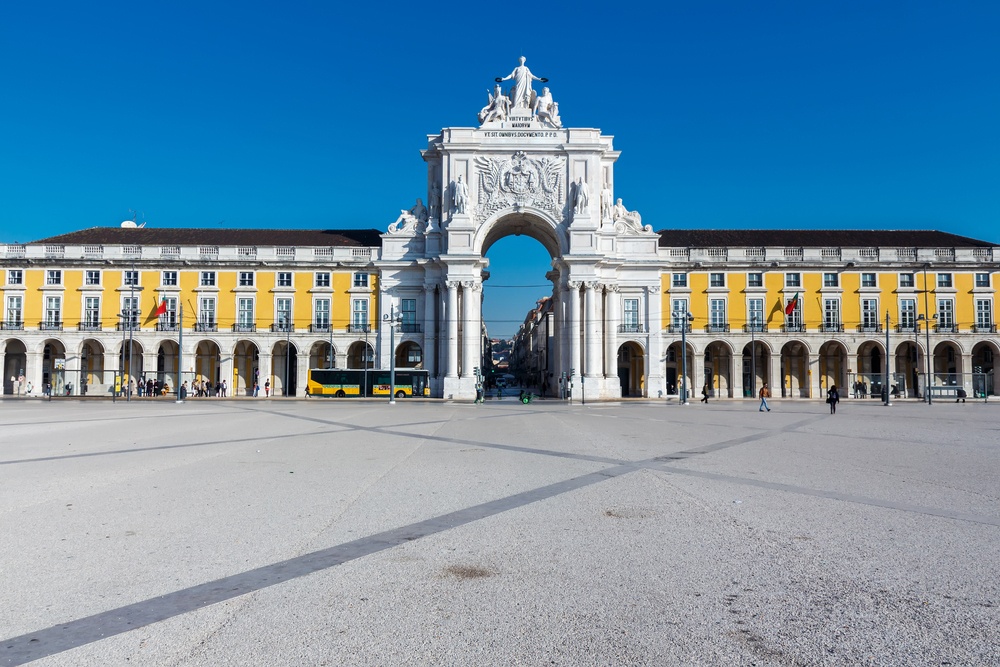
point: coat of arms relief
(520, 181)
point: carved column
(612, 307)
(452, 318)
(592, 366)
(575, 328)
(654, 347)
(555, 359)
(471, 295)
(430, 327)
(696, 369)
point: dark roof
(814, 238)
(209, 237)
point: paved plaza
(325, 532)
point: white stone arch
(523, 221)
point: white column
(592, 367)
(697, 371)
(452, 318)
(301, 370)
(558, 322)
(430, 329)
(774, 380)
(574, 326)
(33, 370)
(655, 382)
(265, 363)
(612, 306)
(471, 318)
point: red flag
(790, 308)
(162, 309)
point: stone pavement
(329, 532)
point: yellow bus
(355, 382)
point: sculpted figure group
(410, 221)
(521, 97)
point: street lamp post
(885, 384)
(927, 351)
(684, 318)
(753, 355)
(391, 319)
(288, 348)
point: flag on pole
(790, 308)
(162, 309)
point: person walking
(833, 397)
(764, 394)
(704, 393)
(267, 388)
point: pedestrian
(961, 395)
(479, 392)
(833, 397)
(704, 393)
(184, 390)
(141, 389)
(267, 388)
(256, 389)
(764, 394)
(225, 388)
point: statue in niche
(498, 107)
(435, 199)
(628, 221)
(606, 202)
(522, 94)
(581, 195)
(460, 195)
(546, 109)
(410, 221)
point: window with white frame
(130, 311)
(169, 279)
(831, 280)
(322, 279)
(283, 311)
(982, 280)
(946, 313)
(679, 280)
(869, 313)
(14, 310)
(15, 277)
(793, 320)
(321, 313)
(678, 313)
(361, 279)
(717, 280)
(207, 279)
(984, 314)
(168, 320)
(92, 311)
(284, 278)
(408, 315)
(793, 280)
(206, 311)
(92, 278)
(717, 314)
(53, 311)
(53, 277)
(907, 313)
(755, 279)
(831, 314)
(869, 280)
(246, 279)
(630, 315)
(244, 312)
(359, 312)
(755, 314)
(130, 278)
(906, 280)
(944, 280)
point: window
(678, 313)
(92, 278)
(831, 314)
(206, 310)
(680, 280)
(130, 311)
(717, 314)
(322, 279)
(14, 312)
(944, 280)
(717, 280)
(244, 313)
(831, 280)
(168, 320)
(907, 314)
(755, 313)
(284, 279)
(283, 312)
(321, 316)
(630, 315)
(793, 320)
(359, 310)
(868, 280)
(15, 277)
(53, 277)
(246, 279)
(793, 280)
(92, 311)
(906, 280)
(361, 280)
(130, 278)
(207, 279)
(982, 280)
(946, 313)
(755, 280)
(984, 314)
(408, 313)
(53, 311)
(869, 314)
(169, 279)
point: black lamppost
(683, 317)
(753, 355)
(885, 384)
(391, 319)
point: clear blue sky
(853, 114)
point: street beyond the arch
(274, 532)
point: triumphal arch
(522, 171)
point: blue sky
(856, 114)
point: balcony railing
(755, 328)
(869, 328)
(12, 326)
(984, 328)
(409, 327)
(793, 328)
(127, 326)
(907, 328)
(282, 327)
(832, 327)
(244, 328)
(90, 326)
(206, 326)
(319, 328)
(946, 328)
(678, 328)
(717, 328)
(50, 325)
(167, 326)
(358, 328)
(632, 328)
